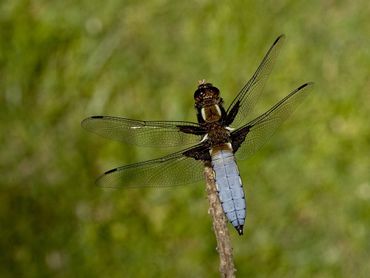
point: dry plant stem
(224, 248)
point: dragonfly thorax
(211, 113)
(217, 134)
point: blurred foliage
(308, 190)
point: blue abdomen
(229, 187)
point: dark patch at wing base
(196, 130)
(238, 137)
(199, 153)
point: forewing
(171, 170)
(142, 133)
(250, 93)
(251, 137)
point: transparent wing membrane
(142, 133)
(264, 126)
(171, 170)
(250, 93)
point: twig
(224, 248)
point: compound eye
(198, 95)
(215, 91)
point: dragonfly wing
(179, 168)
(251, 137)
(243, 104)
(145, 133)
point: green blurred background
(308, 190)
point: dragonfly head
(206, 95)
(208, 102)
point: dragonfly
(218, 138)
